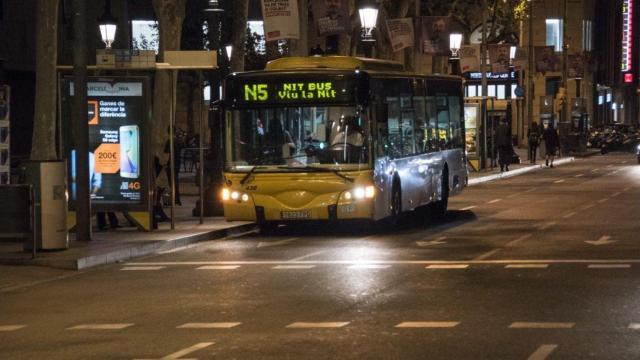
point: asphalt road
(540, 266)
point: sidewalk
(108, 247)
(479, 177)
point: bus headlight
(245, 197)
(235, 195)
(359, 193)
(347, 195)
(364, 192)
(225, 194)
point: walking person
(551, 141)
(503, 143)
(533, 134)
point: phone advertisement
(116, 119)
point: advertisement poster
(469, 58)
(435, 35)
(499, 57)
(400, 33)
(331, 16)
(521, 59)
(117, 114)
(546, 59)
(471, 115)
(281, 19)
(575, 68)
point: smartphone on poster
(129, 151)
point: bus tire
(440, 206)
(396, 205)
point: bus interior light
(225, 194)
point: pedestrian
(503, 143)
(533, 134)
(551, 141)
(113, 220)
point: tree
(44, 122)
(240, 15)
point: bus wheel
(267, 228)
(440, 206)
(396, 207)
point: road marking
(579, 175)
(487, 254)
(611, 266)
(428, 324)
(219, 267)
(189, 350)
(100, 327)
(634, 326)
(284, 267)
(624, 162)
(11, 327)
(604, 240)
(494, 201)
(530, 190)
(626, 189)
(142, 268)
(542, 352)
(411, 262)
(566, 216)
(547, 225)
(213, 325)
(587, 207)
(263, 244)
(469, 208)
(559, 181)
(616, 194)
(451, 266)
(369, 266)
(610, 165)
(603, 200)
(438, 241)
(321, 325)
(594, 170)
(527, 266)
(541, 325)
(309, 255)
(521, 238)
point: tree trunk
(43, 143)
(240, 16)
(300, 47)
(170, 14)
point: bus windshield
(297, 138)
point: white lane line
(542, 325)
(218, 267)
(587, 207)
(100, 327)
(542, 352)
(11, 327)
(415, 262)
(609, 266)
(189, 350)
(616, 194)
(579, 175)
(469, 208)
(547, 225)
(530, 190)
(494, 201)
(634, 326)
(142, 268)
(487, 254)
(213, 325)
(603, 200)
(368, 266)
(438, 241)
(263, 244)
(559, 181)
(319, 325)
(309, 255)
(595, 170)
(521, 238)
(285, 267)
(566, 216)
(527, 266)
(451, 266)
(626, 189)
(624, 162)
(428, 324)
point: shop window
(554, 33)
(145, 35)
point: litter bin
(49, 182)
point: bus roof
(334, 62)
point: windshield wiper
(319, 169)
(246, 177)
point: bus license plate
(349, 208)
(295, 215)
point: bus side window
(395, 139)
(382, 129)
(432, 125)
(444, 131)
(456, 123)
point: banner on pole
(546, 59)
(331, 17)
(469, 58)
(435, 32)
(499, 57)
(281, 20)
(575, 68)
(521, 59)
(401, 33)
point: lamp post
(213, 7)
(108, 25)
(455, 41)
(368, 19)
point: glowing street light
(108, 25)
(455, 41)
(368, 20)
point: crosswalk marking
(283, 267)
(541, 325)
(142, 268)
(452, 266)
(11, 327)
(542, 352)
(219, 267)
(559, 181)
(609, 266)
(321, 325)
(189, 350)
(213, 325)
(527, 266)
(428, 324)
(100, 327)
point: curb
(509, 174)
(133, 251)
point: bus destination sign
(296, 91)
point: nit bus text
(291, 91)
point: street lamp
(455, 41)
(368, 19)
(229, 50)
(214, 6)
(108, 25)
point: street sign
(519, 91)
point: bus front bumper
(262, 212)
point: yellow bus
(340, 138)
